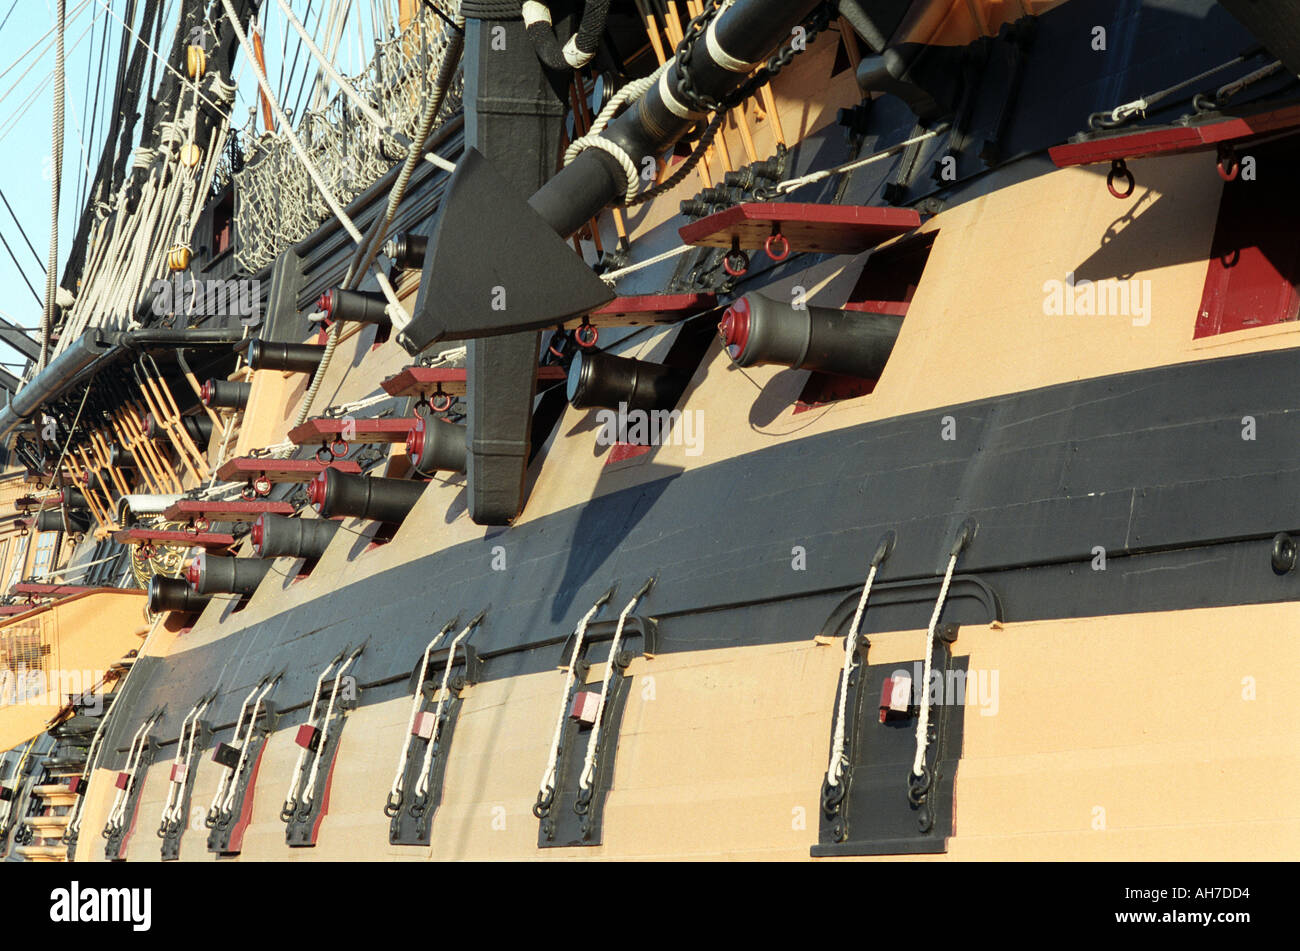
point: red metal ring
(262, 485)
(201, 525)
(774, 255)
(1119, 169)
(1232, 169)
(738, 269)
(441, 402)
(339, 447)
(581, 335)
(324, 455)
(248, 493)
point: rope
(627, 95)
(791, 184)
(280, 117)
(1140, 105)
(307, 793)
(118, 812)
(56, 179)
(370, 247)
(367, 110)
(291, 798)
(923, 721)
(417, 701)
(175, 787)
(612, 276)
(248, 740)
(838, 761)
(547, 785)
(229, 771)
(422, 788)
(589, 761)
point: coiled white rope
(593, 741)
(838, 760)
(923, 721)
(629, 94)
(416, 702)
(548, 777)
(422, 787)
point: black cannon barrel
(759, 330)
(436, 445)
(602, 379)
(225, 394)
(362, 307)
(407, 250)
(277, 536)
(122, 458)
(199, 427)
(221, 574)
(292, 357)
(51, 520)
(334, 493)
(174, 594)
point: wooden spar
(268, 120)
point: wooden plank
(280, 470)
(316, 431)
(647, 309)
(1172, 140)
(235, 510)
(822, 229)
(44, 588)
(209, 540)
(422, 381)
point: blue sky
(26, 109)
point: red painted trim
(1173, 140)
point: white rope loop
(403, 757)
(243, 747)
(838, 760)
(308, 793)
(117, 815)
(923, 721)
(422, 787)
(291, 797)
(593, 741)
(234, 740)
(629, 94)
(547, 785)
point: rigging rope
(56, 179)
(593, 741)
(923, 721)
(547, 785)
(838, 761)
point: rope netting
(277, 204)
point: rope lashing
(546, 788)
(231, 780)
(291, 797)
(593, 741)
(214, 809)
(184, 760)
(580, 48)
(117, 814)
(395, 792)
(923, 721)
(422, 787)
(56, 179)
(629, 94)
(838, 761)
(307, 793)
